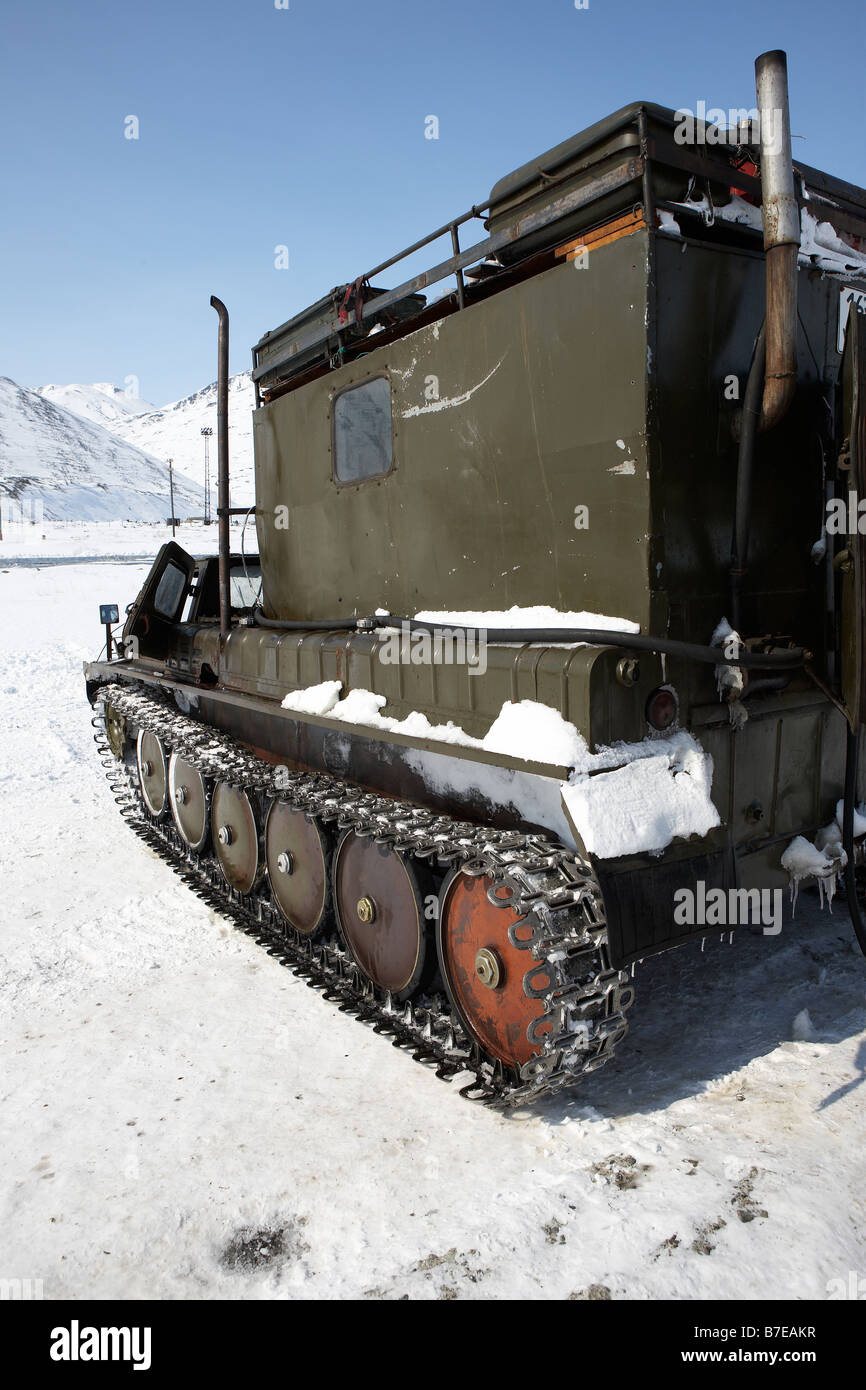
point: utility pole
(171, 490)
(206, 433)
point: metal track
(562, 923)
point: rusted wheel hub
(484, 972)
(296, 855)
(152, 773)
(236, 837)
(379, 897)
(189, 802)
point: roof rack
(596, 174)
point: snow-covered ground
(25, 544)
(182, 1118)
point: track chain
(554, 892)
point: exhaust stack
(223, 514)
(781, 217)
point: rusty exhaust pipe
(223, 514)
(781, 218)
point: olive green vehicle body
(567, 438)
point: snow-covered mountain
(79, 470)
(100, 402)
(174, 432)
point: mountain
(79, 470)
(100, 402)
(174, 432)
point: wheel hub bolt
(286, 863)
(366, 909)
(487, 968)
(225, 835)
(182, 796)
(147, 767)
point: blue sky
(304, 127)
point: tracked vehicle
(603, 461)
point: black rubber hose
(745, 465)
(314, 624)
(600, 637)
(852, 757)
(788, 660)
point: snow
(24, 543)
(540, 616)
(824, 860)
(729, 679)
(737, 210)
(661, 793)
(100, 402)
(820, 243)
(625, 799)
(174, 431)
(803, 860)
(668, 223)
(527, 729)
(803, 1029)
(364, 707)
(859, 818)
(315, 699)
(169, 1089)
(77, 469)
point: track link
(562, 923)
